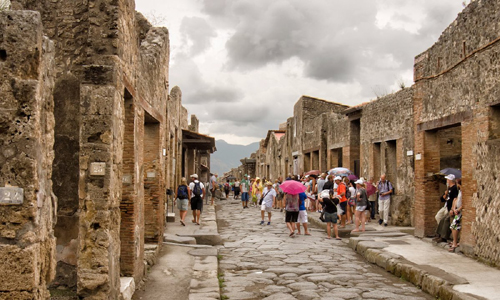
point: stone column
(27, 243)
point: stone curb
(205, 283)
(436, 286)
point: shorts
(182, 204)
(330, 218)
(265, 208)
(244, 196)
(361, 208)
(196, 203)
(291, 216)
(302, 217)
(343, 206)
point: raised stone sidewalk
(429, 266)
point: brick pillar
(132, 210)
(426, 188)
(469, 182)
(27, 243)
(152, 175)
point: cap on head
(359, 181)
(450, 177)
(337, 178)
(194, 176)
(269, 183)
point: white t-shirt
(213, 181)
(353, 192)
(268, 199)
(244, 186)
(191, 187)
(237, 184)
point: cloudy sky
(242, 64)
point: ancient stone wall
(386, 138)
(456, 85)
(337, 140)
(27, 243)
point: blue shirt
(302, 201)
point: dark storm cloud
(338, 41)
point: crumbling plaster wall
(27, 243)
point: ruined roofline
(266, 141)
(361, 106)
(323, 100)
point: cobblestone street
(263, 262)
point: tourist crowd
(339, 200)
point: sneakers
(385, 224)
(268, 223)
(261, 222)
(380, 221)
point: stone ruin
(90, 141)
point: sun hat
(194, 176)
(269, 183)
(338, 178)
(450, 177)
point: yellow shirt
(257, 188)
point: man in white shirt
(269, 195)
(196, 193)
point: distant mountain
(228, 156)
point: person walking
(372, 198)
(361, 205)
(244, 184)
(196, 193)
(268, 200)
(330, 212)
(302, 218)
(384, 188)
(226, 188)
(182, 198)
(341, 192)
(236, 187)
(291, 212)
(213, 187)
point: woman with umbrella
(292, 189)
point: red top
(341, 188)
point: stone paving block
(172, 238)
(280, 296)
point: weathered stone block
(20, 269)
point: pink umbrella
(370, 189)
(293, 187)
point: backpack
(197, 189)
(182, 192)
